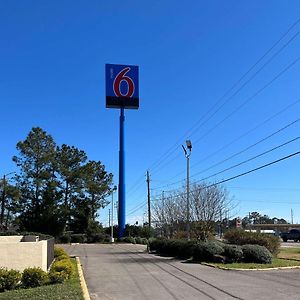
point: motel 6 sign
(122, 86)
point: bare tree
(207, 204)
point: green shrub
(63, 265)
(33, 277)
(78, 238)
(233, 253)
(178, 248)
(239, 237)
(95, 238)
(139, 240)
(65, 239)
(157, 245)
(256, 254)
(144, 241)
(58, 251)
(154, 244)
(206, 251)
(184, 249)
(9, 279)
(57, 277)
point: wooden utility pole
(149, 204)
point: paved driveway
(123, 271)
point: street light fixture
(187, 153)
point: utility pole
(292, 216)
(220, 224)
(109, 217)
(149, 204)
(3, 201)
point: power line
(238, 108)
(249, 147)
(135, 209)
(237, 153)
(252, 158)
(241, 136)
(158, 162)
(241, 174)
(236, 92)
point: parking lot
(125, 271)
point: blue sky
(53, 55)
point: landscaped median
(61, 282)
(240, 250)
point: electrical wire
(241, 174)
(226, 93)
(237, 109)
(238, 138)
(237, 153)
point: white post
(112, 218)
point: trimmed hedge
(239, 237)
(207, 251)
(233, 253)
(256, 254)
(178, 248)
(78, 238)
(58, 251)
(64, 266)
(9, 279)
(211, 251)
(33, 277)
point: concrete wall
(10, 239)
(21, 255)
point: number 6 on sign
(122, 89)
(117, 84)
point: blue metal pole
(121, 220)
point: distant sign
(238, 223)
(122, 86)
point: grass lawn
(70, 289)
(289, 253)
(277, 263)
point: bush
(157, 245)
(33, 277)
(184, 249)
(58, 251)
(96, 238)
(233, 253)
(206, 251)
(178, 248)
(78, 238)
(9, 279)
(139, 240)
(239, 237)
(64, 266)
(65, 239)
(256, 254)
(57, 277)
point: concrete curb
(237, 269)
(85, 291)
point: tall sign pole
(122, 199)
(122, 91)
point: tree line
(56, 189)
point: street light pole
(187, 155)
(112, 215)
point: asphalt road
(124, 271)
